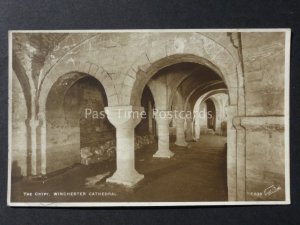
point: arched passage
(147, 124)
(220, 101)
(199, 106)
(215, 119)
(230, 77)
(74, 128)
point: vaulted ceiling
(31, 49)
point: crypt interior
(227, 143)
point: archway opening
(211, 114)
(76, 127)
(147, 124)
(176, 89)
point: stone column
(189, 129)
(180, 135)
(197, 128)
(163, 122)
(241, 159)
(125, 119)
(231, 112)
(33, 123)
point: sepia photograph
(148, 117)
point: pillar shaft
(189, 129)
(124, 118)
(33, 123)
(197, 128)
(240, 159)
(43, 143)
(180, 135)
(125, 149)
(231, 111)
(163, 122)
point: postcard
(148, 117)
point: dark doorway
(211, 114)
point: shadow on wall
(16, 171)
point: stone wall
(69, 130)
(101, 152)
(19, 130)
(93, 130)
(107, 150)
(263, 55)
(221, 101)
(63, 143)
(265, 159)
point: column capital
(163, 116)
(236, 121)
(179, 120)
(124, 116)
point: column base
(163, 154)
(181, 143)
(128, 180)
(190, 139)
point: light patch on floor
(92, 181)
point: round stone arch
(197, 107)
(142, 76)
(173, 89)
(200, 49)
(25, 85)
(137, 87)
(88, 68)
(73, 76)
(208, 95)
(219, 110)
(204, 87)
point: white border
(287, 114)
(287, 32)
(9, 117)
(266, 30)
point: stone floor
(195, 173)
